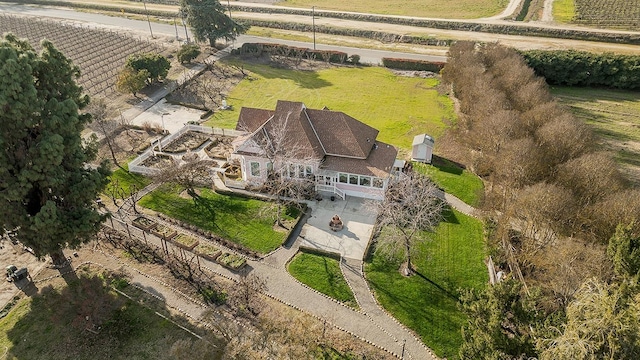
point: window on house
(365, 181)
(378, 183)
(300, 171)
(353, 179)
(292, 170)
(269, 166)
(255, 168)
(342, 177)
(308, 169)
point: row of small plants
(208, 251)
(410, 64)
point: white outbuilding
(422, 148)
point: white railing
(332, 189)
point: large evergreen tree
(47, 189)
(209, 22)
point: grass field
(615, 117)
(460, 183)
(400, 107)
(564, 10)
(53, 325)
(248, 222)
(427, 302)
(126, 181)
(458, 9)
(323, 274)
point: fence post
(128, 231)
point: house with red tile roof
(339, 153)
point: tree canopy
(156, 65)
(208, 21)
(46, 186)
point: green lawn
(323, 274)
(463, 184)
(563, 10)
(427, 302)
(400, 107)
(248, 222)
(123, 179)
(613, 114)
(458, 9)
(51, 325)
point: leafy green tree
(131, 81)
(157, 65)
(47, 189)
(188, 52)
(208, 21)
(624, 251)
(499, 319)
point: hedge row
(257, 49)
(408, 64)
(580, 68)
(363, 33)
(458, 25)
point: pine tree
(209, 21)
(47, 189)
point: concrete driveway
(350, 242)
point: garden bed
(157, 161)
(185, 241)
(190, 140)
(143, 223)
(220, 147)
(231, 261)
(207, 251)
(164, 232)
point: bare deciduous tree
(106, 127)
(411, 205)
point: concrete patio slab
(350, 242)
(177, 116)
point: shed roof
(423, 139)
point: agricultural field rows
(98, 53)
(622, 14)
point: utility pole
(149, 21)
(313, 26)
(175, 23)
(184, 23)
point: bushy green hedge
(409, 64)
(580, 68)
(337, 57)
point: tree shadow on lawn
(305, 79)
(449, 216)
(433, 317)
(446, 165)
(87, 320)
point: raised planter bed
(231, 261)
(164, 232)
(185, 241)
(188, 141)
(143, 223)
(207, 251)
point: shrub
(157, 65)
(408, 64)
(188, 52)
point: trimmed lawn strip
(399, 107)
(460, 183)
(459, 9)
(245, 221)
(323, 274)
(427, 303)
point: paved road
(169, 31)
